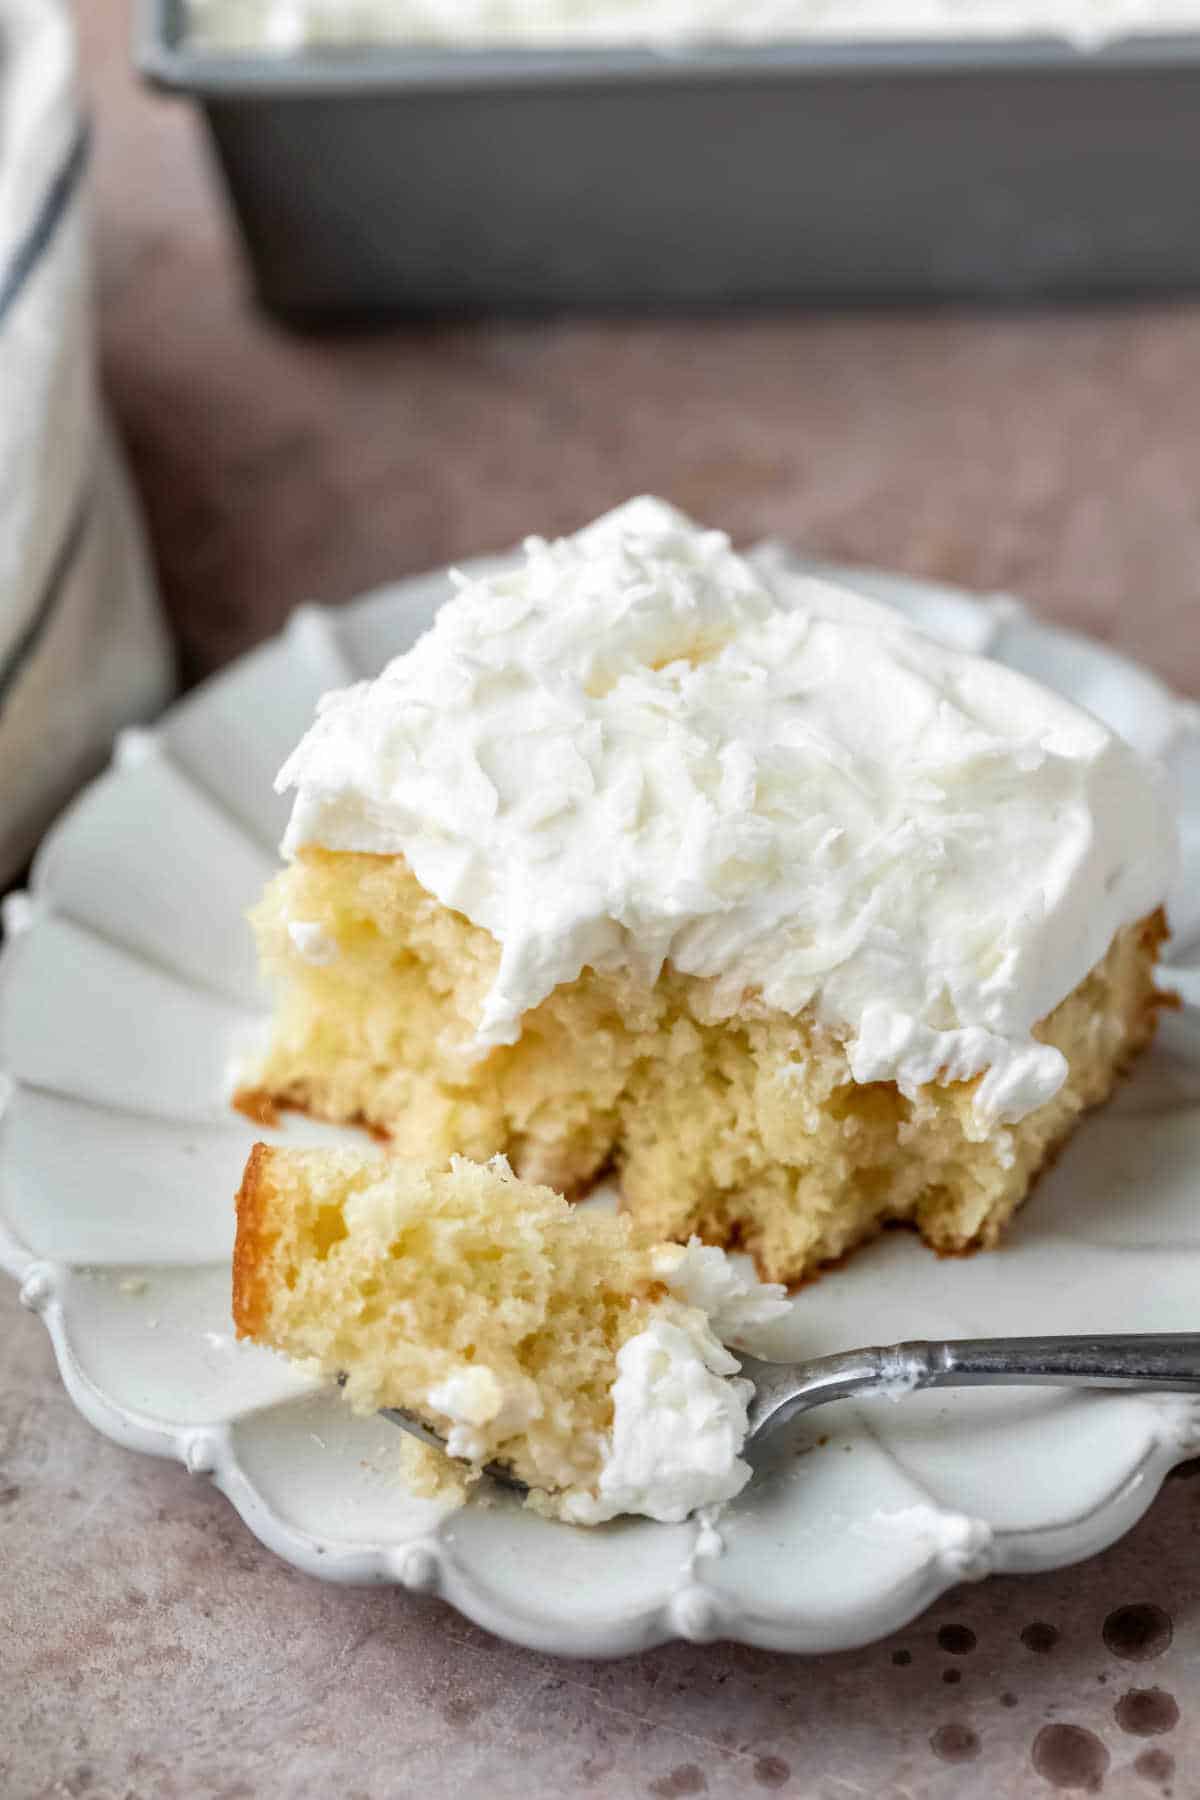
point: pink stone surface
(150, 1649)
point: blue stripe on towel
(47, 606)
(28, 253)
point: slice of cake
(799, 920)
(519, 1328)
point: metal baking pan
(386, 181)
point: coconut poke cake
(519, 1328)
(644, 860)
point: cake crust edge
(253, 1203)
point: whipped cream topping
(630, 751)
(679, 1408)
(738, 1306)
(679, 1423)
(290, 25)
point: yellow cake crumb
(430, 1474)
(747, 1131)
(411, 1282)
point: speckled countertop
(150, 1649)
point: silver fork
(1163, 1362)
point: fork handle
(1163, 1362)
(1168, 1361)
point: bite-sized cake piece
(801, 920)
(521, 1329)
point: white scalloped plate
(126, 984)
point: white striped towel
(82, 649)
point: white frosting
(630, 750)
(679, 1423)
(290, 25)
(961, 1547)
(679, 1414)
(738, 1306)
